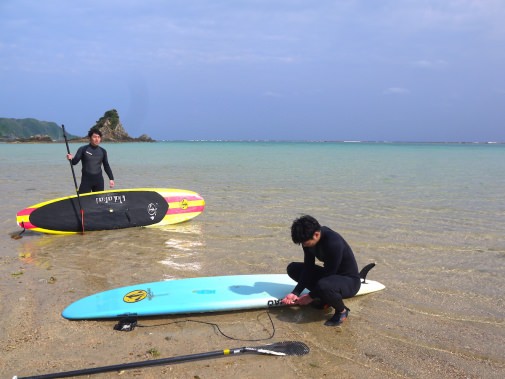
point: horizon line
(330, 141)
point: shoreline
(136, 140)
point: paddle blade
(282, 348)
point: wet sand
(398, 332)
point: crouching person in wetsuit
(329, 284)
(92, 157)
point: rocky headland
(35, 131)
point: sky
(359, 70)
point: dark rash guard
(336, 255)
(92, 158)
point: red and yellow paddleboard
(112, 209)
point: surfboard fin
(364, 271)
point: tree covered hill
(30, 128)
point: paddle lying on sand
(75, 180)
(278, 348)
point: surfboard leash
(18, 236)
(127, 324)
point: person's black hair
(303, 229)
(94, 131)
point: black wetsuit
(92, 158)
(338, 278)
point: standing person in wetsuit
(336, 280)
(92, 157)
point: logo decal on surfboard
(204, 292)
(184, 204)
(151, 210)
(135, 296)
(114, 198)
(274, 303)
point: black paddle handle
(71, 165)
(75, 180)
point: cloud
(272, 94)
(396, 91)
(430, 64)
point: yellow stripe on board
(24, 218)
(175, 218)
(48, 231)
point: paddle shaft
(125, 366)
(75, 180)
(279, 348)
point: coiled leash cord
(127, 324)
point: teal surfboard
(193, 295)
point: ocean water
(432, 216)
